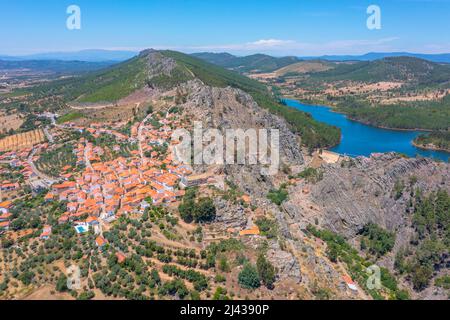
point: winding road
(47, 179)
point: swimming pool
(81, 229)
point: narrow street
(48, 135)
(86, 156)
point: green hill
(415, 71)
(220, 59)
(255, 62)
(106, 85)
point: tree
(61, 285)
(155, 276)
(220, 294)
(379, 241)
(332, 253)
(26, 277)
(205, 210)
(421, 276)
(266, 271)
(6, 243)
(186, 209)
(248, 278)
(86, 295)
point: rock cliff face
(231, 108)
(157, 63)
(363, 192)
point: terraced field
(22, 140)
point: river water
(361, 140)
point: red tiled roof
(5, 216)
(100, 241)
(4, 224)
(6, 204)
(120, 257)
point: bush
(61, 285)
(266, 271)
(379, 240)
(267, 227)
(220, 294)
(398, 189)
(311, 175)
(86, 295)
(277, 196)
(248, 278)
(421, 276)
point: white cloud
(292, 47)
(270, 43)
(280, 47)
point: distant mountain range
(54, 66)
(265, 63)
(84, 55)
(410, 70)
(439, 58)
(371, 67)
(255, 62)
(261, 62)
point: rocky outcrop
(378, 189)
(157, 63)
(351, 196)
(231, 108)
(285, 262)
(229, 215)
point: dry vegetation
(22, 140)
(9, 121)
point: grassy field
(70, 117)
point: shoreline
(411, 141)
(381, 127)
(432, 148)
(333, 109)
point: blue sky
(294, 27)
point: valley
(399, 92)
